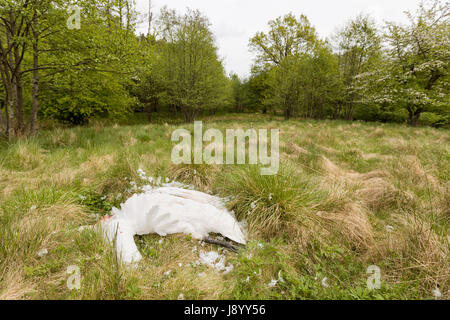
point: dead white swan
(168, 210)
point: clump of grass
(268, 203)
(14, 286)
(373, 189)
(352, 225)
(200, 176)
(118, 175)
(417, 252)
(97, 203)
(23, 155)
(377, 133)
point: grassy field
(347, 196)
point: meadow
(348, 195)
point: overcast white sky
(234, 22)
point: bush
(98, 95)
(75, 111)
(397, 116)
(367, 113)
(434, 119)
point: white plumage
(168, 210)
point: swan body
(164, 211)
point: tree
(194, 77)
(258, 85)
(301, 69)
(305, 84)
(239, 93)
(85, 72)
(287, 36)
(16, 18)
(149, 86)
(284, 86)
(415, 76)
(358, 49)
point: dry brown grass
(296, 149)
(202, 177)
(97, 163)
(421, 252)
(33, 230)
(327, 149)
(60, 175)
(352, 223)
(373, 189)
(27, 157)
(377, 133)
(14, 286)
(414, 238)
(445, 138)
(62, 214)
(59, 138)
(400, 144)
(417, 173)
(149, 161)
(369, 156)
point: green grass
(323, 216)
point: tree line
(364, 72)
(77, 60)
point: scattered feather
(42, 252)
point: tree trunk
(11, 89)
(16, 57)
(10, 112)
(2, 121)
(149, 112)
(414, 118)
(129, 17)
(8, 121)
(264, 111)
(287, 113)
(349, 111)
(10, 78)
(35, 104)
(19, 92)
(120, 13)
(189, 114)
